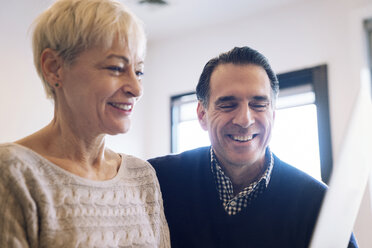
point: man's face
(240, 114)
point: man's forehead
(230, 80)
(238, 72)
(226, 67)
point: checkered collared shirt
(234, 204)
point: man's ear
(51, 66)
(202, 116)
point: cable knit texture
(43, 205)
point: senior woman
(61, 186)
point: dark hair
(239, 56)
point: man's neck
(243, 176)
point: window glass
(295, 138)
(191, 135)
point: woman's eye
(115, 68)
(139, 74)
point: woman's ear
(51, 66)
(202, 116)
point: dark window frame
(174, 100)
(368, 30)
(317, 77)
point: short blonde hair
(72, 26)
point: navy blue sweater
(283, 216)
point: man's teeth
(122, 106)
(242, 138)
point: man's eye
(260, 106)
(227, 106)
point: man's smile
(242, 138)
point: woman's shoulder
(12, 153)
(18, 163)
(132, 162)
(138, 173)
(8, 148)
(133, 166)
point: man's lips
(242, 138)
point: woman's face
(99, 90)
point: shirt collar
(269, 164)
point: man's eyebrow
(223, 99)
(261, 98)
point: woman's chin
(119, 129)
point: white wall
(293, 37)
(23, 107)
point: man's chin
(244, 159)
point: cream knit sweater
(42, 205)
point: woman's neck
(82, 154)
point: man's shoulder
(294, 179)
(187, 158)
(176, 170)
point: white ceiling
(177, 17)
(181, 16)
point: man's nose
(244, 117)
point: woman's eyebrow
(118, 57)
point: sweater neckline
(45, 162)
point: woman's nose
(133, 85)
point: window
(186, 132)
(295, 132)
(301, 134)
